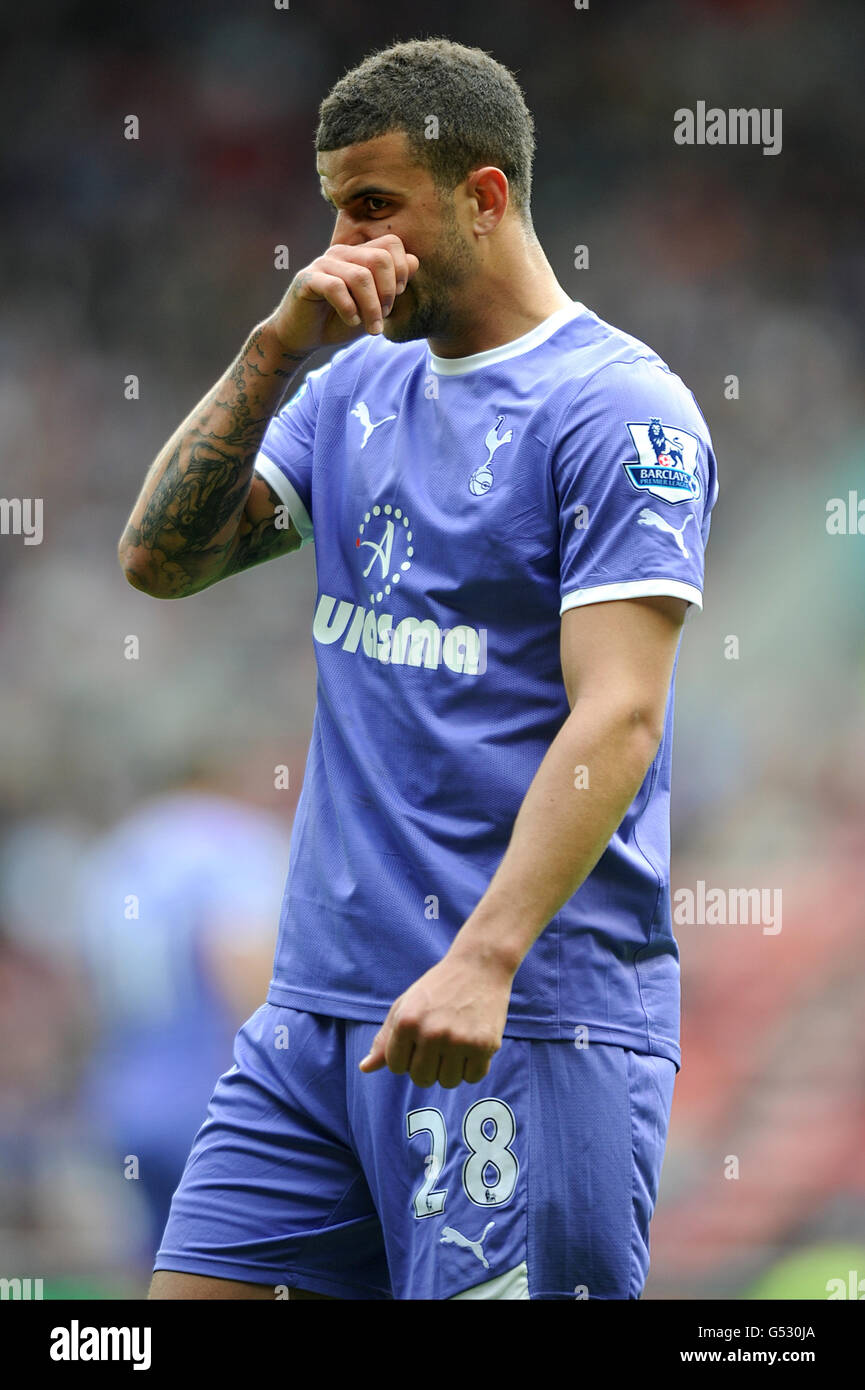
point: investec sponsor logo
(411, 642)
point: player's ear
(488, 189)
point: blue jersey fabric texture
(458, 507)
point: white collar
(458, 366)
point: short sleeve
(286, 454)
(635, 482)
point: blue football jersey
(459, 506)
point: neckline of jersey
(459, 366)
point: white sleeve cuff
(634, 588)
(287, 494)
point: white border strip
(274, 475)
(634, 588)
(459, 366)
(512, 1284)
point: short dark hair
(481, 113)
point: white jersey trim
(459, 366)
(269, 471)
(634, 588)
(513, 1284)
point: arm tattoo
(190, 516)
(261, 540)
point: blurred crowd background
(143, 841)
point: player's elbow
(645, 721)
(132, 565)
(138, 581)
(138, 569)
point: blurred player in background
(178, 903)
(460, 1083)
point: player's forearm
(562, 828)
(185, 520)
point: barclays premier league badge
(666, 464)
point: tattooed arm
(202, 513)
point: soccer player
(168, 991)
(460, 1083)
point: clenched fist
(347, 288)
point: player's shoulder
(590, 351)
(600, 368)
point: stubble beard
(427, 307)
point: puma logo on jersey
(450, 1236)
(361, 412)
(649, 518)
(482, 479)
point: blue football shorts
(538, 1182)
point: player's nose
(347, 232)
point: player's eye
(381, 201)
